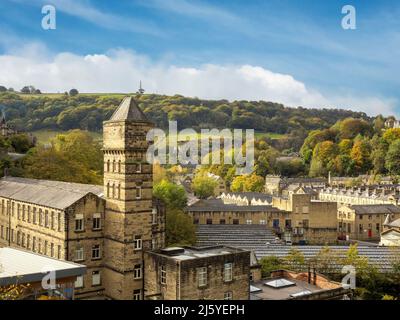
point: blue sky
(289, 51)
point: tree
(73, 92)
(360, 154)
(392, 161)
(294, 260)
(269, 264)
(180, 229)
(3, 89)
(248, 183)
(21, 142)
(204, 186)
(159, 173)
(391, 135)
(174, 196)
(326, 261)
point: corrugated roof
(30, 267)
(128, 110)
(53, 194)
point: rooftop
(189, 253)
(285, 285)
(30, 267)
(376, 209)
(53, 194)
(129, 110)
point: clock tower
(129, 214)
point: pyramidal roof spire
(129, 110)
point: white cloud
(121, 70)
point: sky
(288, 51)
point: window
(139, 168)
(79, 282)
(263, 222)
(138, 192)
(196, 221)
(46, 219)
(28, 241)
(228, 270)
(209, 221)
(202, 276)
(137, 271)
(96, 280)
(137, 243)
(305, 224)
(137, 294)
(96, 221)
(305, 209)
(377, 227)
(154, 216)
(221, 221)
(249, 221)
(96, 252)
(45, 248)
(79, 254)
(58, 252)
(34, 244)
(52, 220)
(163, 275)
(235, 221)
(40, 217)
(52, 250)
(153, 244)
(59, 221)
(79, 222)
(228, 295)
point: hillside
(33, 112)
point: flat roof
(294, 288)
(30, 267)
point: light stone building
(364, 222)
(107, 228)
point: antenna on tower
(141, 90)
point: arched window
(108, 189)
(119, 191)
(119, 166)
(113, 166)
(113, 190)
(108, 165)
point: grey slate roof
(53, 194)
(128, 110)
(259, 238)
(395, 223)
(376, 209)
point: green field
(44, 136)
(271, 135)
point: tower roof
(128, 110)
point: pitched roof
(128, 110)
(395, 223)
(375, 209)
(53, 194)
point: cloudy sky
(289, 51)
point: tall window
(46, 219)
(34, 215)
(228, 271)
(154, 216)
(79, 254)
(79, 225)
(137, 294)
(96, 254)
(137, 243)
(138, 192)
(59, 221)
(96, 280)
(40, 217)
(96, 221)
(79, 282)
(163, 275)
(52, 220)
(137, 271)
(202, 276)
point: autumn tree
(204, 186)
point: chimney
(315, 277)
